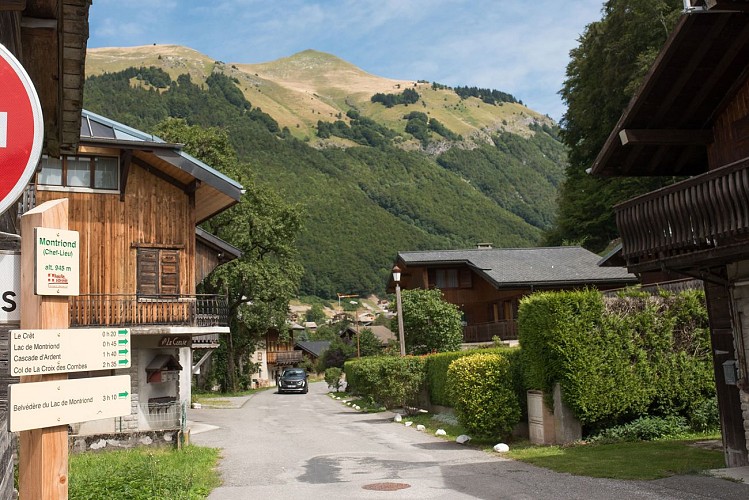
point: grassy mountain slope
(299, 90)
(363, 203)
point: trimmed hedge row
(392, 381)
(618, 358)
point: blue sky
(516, 46)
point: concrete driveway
(310, 446)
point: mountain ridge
(311, 85)
(447, 170)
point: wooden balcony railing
(484, 332)
(285, 357)
(134, 310)
(699, 213)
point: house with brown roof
(487, 283)
(690, 117)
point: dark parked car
(293, 380)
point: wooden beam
(13, 5)
(36, 23)
(43, 453)
(161, 175)
(125, 161)
(726, 6)
(665, 137)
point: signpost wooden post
(43, 453)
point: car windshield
(293, 373)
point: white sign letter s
(3, 129)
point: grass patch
(642, 460)
(144, 473)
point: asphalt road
(309, 446)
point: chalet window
(158, 272)
(88, 172)
(450, 278)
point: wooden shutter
(158, 272)
(169, 280)
(148, 271)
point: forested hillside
(371, 188)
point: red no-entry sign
(21, 129)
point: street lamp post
(356, 326)
(399, 308)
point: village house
(274, 352)
(487, 283)
(136, 201)
(690, 117)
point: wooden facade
(693, 111)
(153, 215)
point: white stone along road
(309, 446)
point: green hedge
(483, 395)
(436, 373)
(618, 358)
(392, 381)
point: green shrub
(704, 415)
(644, 429)
(618, 358)
(437, 365)
(333, 377)
(481, 389)
(392, 381)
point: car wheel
(305, 390)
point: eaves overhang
(667, 127)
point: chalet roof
(667, 125)
(49, 38)
(214, 191)
(522, 267)
(383, 333)
(314, 347)
(231, 252)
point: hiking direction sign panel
(21, 129)
(60, 402)
(41, 352)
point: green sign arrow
(122, 341)
(122, 394)
(123, 351)
(122, 361)
(122, 332)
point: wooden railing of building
(284, 357)
(692, 215)
(485, 332)
(131, 310)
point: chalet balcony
(485, 332)
(704, 220)
(285, 357)
(135, 310)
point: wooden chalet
(487, 283)
(276, 352)
(136, 201)
(690, 117)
